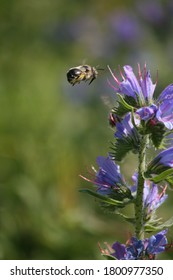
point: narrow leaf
(103, 198)
(163, 176)
(124, 103)
(108, 257)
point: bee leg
(92, 80)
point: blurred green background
(50, 132)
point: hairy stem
(139, 226)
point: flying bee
(82, 73)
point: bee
(82, 73)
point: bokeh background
(50, 132)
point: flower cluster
(142, 91)
(140, 122)
(136, 249)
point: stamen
(115, 78)
(157, 77)
(163, 192)
(121, 73)
(115, 88)
(139, 71)
(145, 70)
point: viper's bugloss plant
(141, 124)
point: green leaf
(122, 146)
(124, 105)
(157, 134)
(168, 223)
(126, 218)
(166, 175)
(156, 225)
(104, 198)
(119, 110)
(108, 257)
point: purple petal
(133, 84)
(167, 93)
(165, 113)
(147, 86)
(157, 243)
(147, 113)
(120, 250)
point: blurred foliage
(50, 132)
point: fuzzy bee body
(81, 73)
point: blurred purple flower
(125, 26)
(152, 10)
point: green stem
(139, 226)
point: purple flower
(152, 11)
(141, 88)
(161, 162)
(165, 107)
(108, 177)
(147, 113)
(162, 112)
(167, 94)
(127, 138)
(125, 26)
(156, 243)
(120, 251)
(135, 249)
(110, 183)
(126, 129)
(152, 198)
